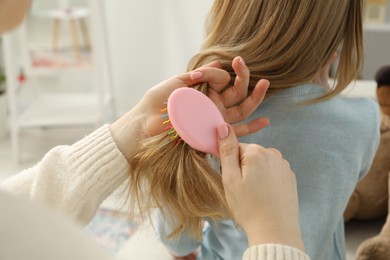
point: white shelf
(44, 71)
(361, 88)
(377, 27)
(40, 107)
(42, 61)
(61, 109)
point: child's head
(382, 77)
(285, 41)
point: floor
(35, 143)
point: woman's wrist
(277, 235)
(127, 130)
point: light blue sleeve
(373, 137)
(178, 246)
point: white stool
(74, 16)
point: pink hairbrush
(195, 118)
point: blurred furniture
(377, 38)
(77, 19)
(376, 11)
(3, 116)
(32, 106)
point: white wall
(377, 48)
(376, 51)
(151, 40)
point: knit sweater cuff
(75, 178)
(99, 158)
(274, 251)
(102, 168)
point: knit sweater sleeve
(74, 178)
(274, 252)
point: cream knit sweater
(77, 178)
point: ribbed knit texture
(274, 252)
(75, 178)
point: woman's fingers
(239, 113)
(214, 64)
(235, 94)
(215, 77)
(233, 103)
(229, 153)
(251, 127)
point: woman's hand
(235, 106)
(261, 191)
(233, 103)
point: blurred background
(79, 62)
(76, 62)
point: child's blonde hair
(286, 42)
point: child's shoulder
(362, 106)
(362, 112)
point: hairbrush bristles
(171, 132)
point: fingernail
(196, 75)
(241, 61)
(266, 82)
(223, 131)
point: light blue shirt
(329, 145)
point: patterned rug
(111, 229)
